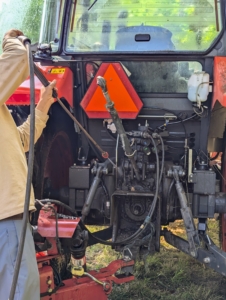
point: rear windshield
(155, 77)
(143, 25)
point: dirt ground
(167, 275)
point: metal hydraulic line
(118, 124)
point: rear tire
(54, 152)
(222, 217)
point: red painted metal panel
(223, 216)
(84, 288)
(127, 102)
(47, 225)
(63, 76)
(46, 281)
(219, 91)
(219, 94)
(87, 291)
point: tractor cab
(145, 79)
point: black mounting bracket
(208, 253)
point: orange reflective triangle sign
(121, 91)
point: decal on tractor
(57, 71)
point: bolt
(206, 260)
(193, 254)
(49, 282)
(50, 290)
(105, 171)
(106, 286)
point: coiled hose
(26, 43)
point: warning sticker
(57, 71)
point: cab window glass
(155, 77)
(143, 25)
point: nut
(193, 254)
(206, 260)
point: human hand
(46, 98)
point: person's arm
(41, 116)
(13, 65)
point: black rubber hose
(157, 179)
(163, 159)
(151, 211)
(177, 115)
(146, 222)
(215, 157)
(45, 82)
(29, 175)
(74, 213)
(170, 190)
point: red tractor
(141, 143)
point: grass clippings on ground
(167, 275)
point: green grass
(167, 275)
(99, 256)
(172, 275)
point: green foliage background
(195, 19)
(32, 21)
(192, 22)
(22, 14)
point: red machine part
(223, 216)
(63, 76)
(126, 99)
(46, 279)
(77, 288)
(83, 288)
(47, 225)
(47, 228)
(219, 92)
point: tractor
(140, 142)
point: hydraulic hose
(146, 221)
(163, 159)
(151, 211)
(45, 82)
(118, 124)
(26, 42)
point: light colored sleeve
(24, 130)
(13, 67)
